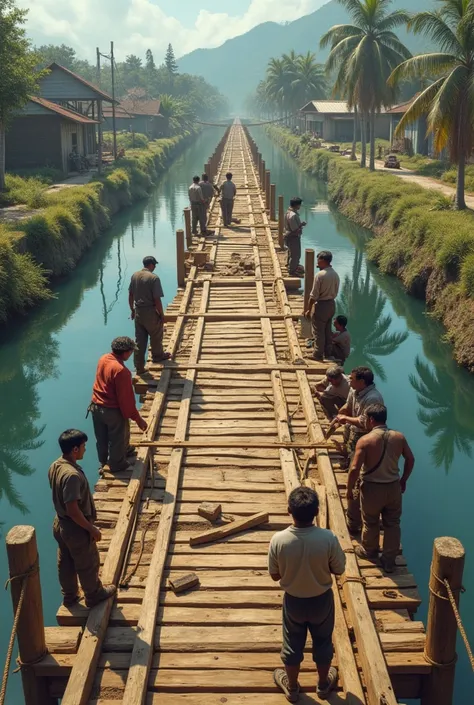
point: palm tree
(370, 335)
(309, 80)
(278, 83)
(364, 54)
(177, 113)
(448, 102)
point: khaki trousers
(381, 499)
(293, 243)
(227, 207)
(198, 213)
(78, 556)
(331, 404)
(321, 323)
(112, 435)
(148, 324)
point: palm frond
(433, 24)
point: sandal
(323, 692)
(281, 681)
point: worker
(293, 230)
(353, 416)
(113, 405)
(228, 193)
(340, 340)
(376, 463)
(303, 558)
(208, 191)
(198, 210)
(73, 527)
(333, 391)
(322, 296)
(144, 297)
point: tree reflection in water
(363, 303)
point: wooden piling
(267, 189)
(180, 269)
(262, 174)
(308, 275)
(272, 201)
(440, 649)
(281, 220)
(187, 227)
(22, 552)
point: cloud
(137, 25)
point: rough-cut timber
(233, 424)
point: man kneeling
(303, 557)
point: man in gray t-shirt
(303, 559)
(228, 193)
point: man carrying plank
(303, 559)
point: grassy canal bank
(417, 235)
(48, 245)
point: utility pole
(112, 62)
(99, 117)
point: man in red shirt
(113, 405)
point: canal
(47, 365)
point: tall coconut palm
(364, 54)
(309, 80)
(448, 102)
(278, 83)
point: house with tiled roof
(137, 114)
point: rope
(24, 578)
(457, 617)
(352, 579)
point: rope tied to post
(457, 617)
(24, 577)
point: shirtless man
(376, 460)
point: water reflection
(363, 303)
(107, 310)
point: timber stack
(232, 429)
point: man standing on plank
(73, 526)
(144, 298)
(303, 559)
(113, 405)
(376, 461)
(322, 297)
(292, 238)
(228, 193)
(198, 208)
(208, 191)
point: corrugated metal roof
(402, 107)
(141, 107)
(331, 106)
(102, 94)
(64, 112)
(120, 112)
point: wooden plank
(229, 529)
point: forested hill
(237, 66)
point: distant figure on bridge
(333, 391)
(322, 296)
(303, 558)
(341, 340)
(113, 405)
(292, 238)
(198, 206)
(144, 297)
(380, 489)
(208, 191)
(228, 193)
(73, 527)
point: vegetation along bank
(417, 235)
(63, 224)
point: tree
(171, 65)
(364, 54)
(63, 55)
(150, 61)
(18, 77)
(448, 102)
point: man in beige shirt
(228, 194)
(198, 206)
(322, 297)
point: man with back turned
(144, 297)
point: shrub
(467, 275)
(30, 192)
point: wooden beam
(232, 444)
(234, 527)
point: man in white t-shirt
(228, 193)
(303, 558)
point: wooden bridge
(231, 421)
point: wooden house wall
(33, 142)
(59, 86)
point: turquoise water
(47, 366)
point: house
(334, 121)
(137, 115)
(44, 134)
(415, 137)
(65, 118)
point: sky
(138, 25)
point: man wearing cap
(198, 206)
(113, 405)
(293, 231)
(144, 298)
(208, 190)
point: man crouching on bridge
(303, 559)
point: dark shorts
(301, 614)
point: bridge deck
(238, 391)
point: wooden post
(272, 201)
(281, 220)
(267, 189)
(441, 631)
(181, 272)
(308, 275)
(187, 227)
(262, 174)
(22, 553)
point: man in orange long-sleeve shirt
(113, 405)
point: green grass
(126, 140)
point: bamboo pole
(187, 227)
(22, 552)
(441, 632)
(308, 275)
(267, 189)
(281, 220)
(180, 269)
(272, 201)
